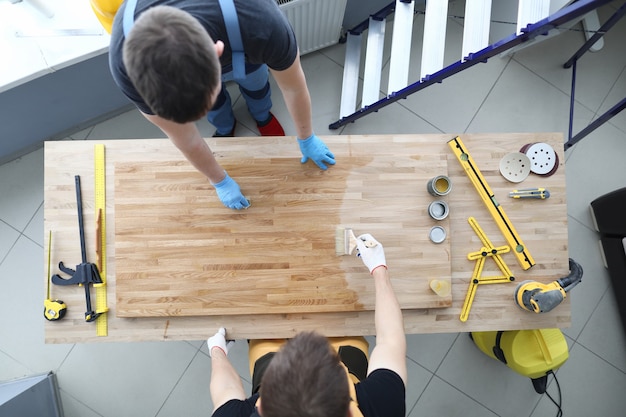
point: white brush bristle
(345, 241)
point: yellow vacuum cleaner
(531, 353)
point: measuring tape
(52, 309)
(506, 227)
(100, 194)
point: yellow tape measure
(497, 212)
(100, 195)
(53, 310)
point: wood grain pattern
(542, 224)
(179, 252)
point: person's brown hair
(171, 60)
(305, 379)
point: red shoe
(271, 128)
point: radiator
(316, 23)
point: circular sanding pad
(543, 159)
(515, 166)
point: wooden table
(541, 224)
(180, 252)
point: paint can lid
(437, 234)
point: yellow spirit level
(506, 227)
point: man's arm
(292, 84)
(225, 381)
(390, 349)
(186, 137)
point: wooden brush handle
(353, 242)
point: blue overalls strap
(232, 29)
(129, 16)
(234, 37)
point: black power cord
(557, 404)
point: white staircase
(476, 37)
(400, 49)
(476, 33)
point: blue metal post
(571, 140)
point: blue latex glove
(313, 147)
(230, 194)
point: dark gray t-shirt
(267, 36)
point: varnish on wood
(180, 252)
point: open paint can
(438, 210)
(439, 185)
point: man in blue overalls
(172, 57)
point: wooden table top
(180, 252)
(541, 224)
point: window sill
(34, 44)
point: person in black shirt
(308, 376)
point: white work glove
(219, 340)
(372, 252)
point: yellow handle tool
(100, 205)
(540, 193)
(504, 224)
(53, 310)
(480, 257)
(541, 298)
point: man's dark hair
(305, 379)
(171, 60)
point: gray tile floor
(526, 92)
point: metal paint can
(439, 185)
(438, 210)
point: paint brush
(346, 241)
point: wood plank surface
(180, 252)
(541, 224)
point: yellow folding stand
(488, 250)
